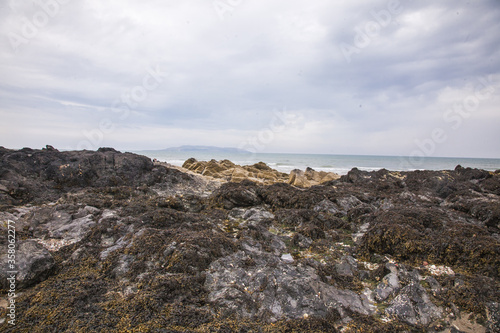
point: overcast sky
(295, 76)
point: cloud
(225, 73)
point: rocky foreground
(111, 242)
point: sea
(340, 164)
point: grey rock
(120, 243)
(408, 276)
(390, 285)
(87, 210)
(328, 207)
(33, 264)
(402, 309)
(347, 266)
(357, 237)
(413, 306)
(108, 215)
(123, 265)
(269, 241)
(170, 249)
(287, 257)
(434, 284)
(54, 222)
(271, 289)
(386, 204)
(257, 214)
(73, 230)
(250, 245)
(348, 203)
(3, 188)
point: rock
(493, 316)
(54, 222)
(328, 207)
(301, 241)
(259, 173)
(49, 148)
(271, 289)
(254, 215)
(32, 262)
(348, 203)
(148, 247)
(428, 234)
(233, 195)
(43, 175)
(310, 177)
(85, 211)
(389, 286)
(434, 284)
(402, 309)
(347, 266)
(413, 306)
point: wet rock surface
(110, 242)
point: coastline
(340, 164)
(118, 236)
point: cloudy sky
(335, 77)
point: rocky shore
(258, 173)
(112, 242)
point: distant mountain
(210, 149)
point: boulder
(33, 264)
(310, 177)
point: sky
(405, 78)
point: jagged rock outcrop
(310, 177)
(259, 173)
(228, 171)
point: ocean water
(340, 164)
